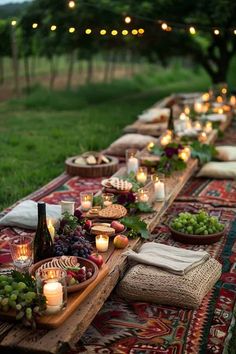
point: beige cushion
(218, 170)
(226, 153)
(127, 141)
(151, 284)
(155, 115)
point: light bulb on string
(216, 32)
(114, 32)
(71, 29)
(53, 28)
(34, 25)
(134, 32)
(128, 19)
(125, 32)
(103, 32)
(71, 4)
(192, 30)
(88, 31)
(13, 23)
(235, 31)
(141, 31)
(164, 26)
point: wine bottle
(43, 244)
(171, 121)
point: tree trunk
(15, 62)
(89, 71)
(106, 69)
(1, 71)
(112, 65)
(27, 73)
(33, 66)
(53, 72)
(70, 69)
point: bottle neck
(42, 214)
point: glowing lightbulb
(125, 32)
(103, 32)
(141, 31)
(127, 19)
(13, 22)
(216, 32)
(71, 4)
(114, 32)
(88, 31)
(53, 28)
(192, 30)
(235, 31)
(134, 32)
(224, 90)
(72, 29)
(34, 25)
(164, 26)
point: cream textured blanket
(172, 259)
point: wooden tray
(73, 301)
(92, 171)
(196, 239)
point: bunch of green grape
(197, 224)
(18, 293)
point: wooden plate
(196, 239)
(83, 262)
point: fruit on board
(200, 223)
(97, 259)
(120, 241)
(117, 226)
(87, 225)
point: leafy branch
(136, 226)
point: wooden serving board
(73, 301)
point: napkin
(172, 259)
(215, 117)
(154, 114)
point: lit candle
(86, 200)
(232, 100)
(107, 199)
(150, 146)
(142, 175)
(102, 243)
(219, 99)
(202, 137)
(51, 229)
(166, 138)
(53, 292)
(185, 154)
(132, 164)
(208, 127)
(86, 205)
(198, 107)
(67, 206)
(187, 110)
(184, 121)
(159, 188)
(143, 196)
(206, 97)
(197, 126)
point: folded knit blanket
(172, 259)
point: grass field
(38, 132)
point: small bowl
(196, 239)
(76, 287)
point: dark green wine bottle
(171, 121)
(43, 244)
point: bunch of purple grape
(72, 245)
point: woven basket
(151, 284)
(91, 171)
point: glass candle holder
(159, 186)
(142, 175)
(166, 138)
(208, 127)
(67, 206)
(51, 282)
(197, 126)
(21, 248)
(202, 137)
(86, 200)
(132, 162)
(143, 195)
(185, 154)
(107, 199)
(102, 243)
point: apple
(120, 241)
(117, 226)
(97, 259)
(88, 225)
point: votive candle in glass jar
(86, 200)
(143, 195)
(51, 283)
(107, 199)
(142, 175)
(159, 186)
(102, 243)
(21, 248)
(132, 162)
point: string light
(164, 26)
(127, 19)
(125, 32)
(235, 31)
(114, 32)
(216, 32)
(72, 29)
(53, 28)
(88, 31)
(134, 32)
(13, 23)
(34, 25)
(192, 30)
(169, 29)
(141, 31)
(103, 32)
(71, 4)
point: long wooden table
(14, 338)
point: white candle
(86, 205)
(102, 243)
(143, 198)
(106, 203)
(141, 177)
(132, 164)
(208, 127)
(198, 107)
(67, 206)
(159, 190)
(53, 292)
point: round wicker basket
(92, 171)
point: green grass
(38, 132)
